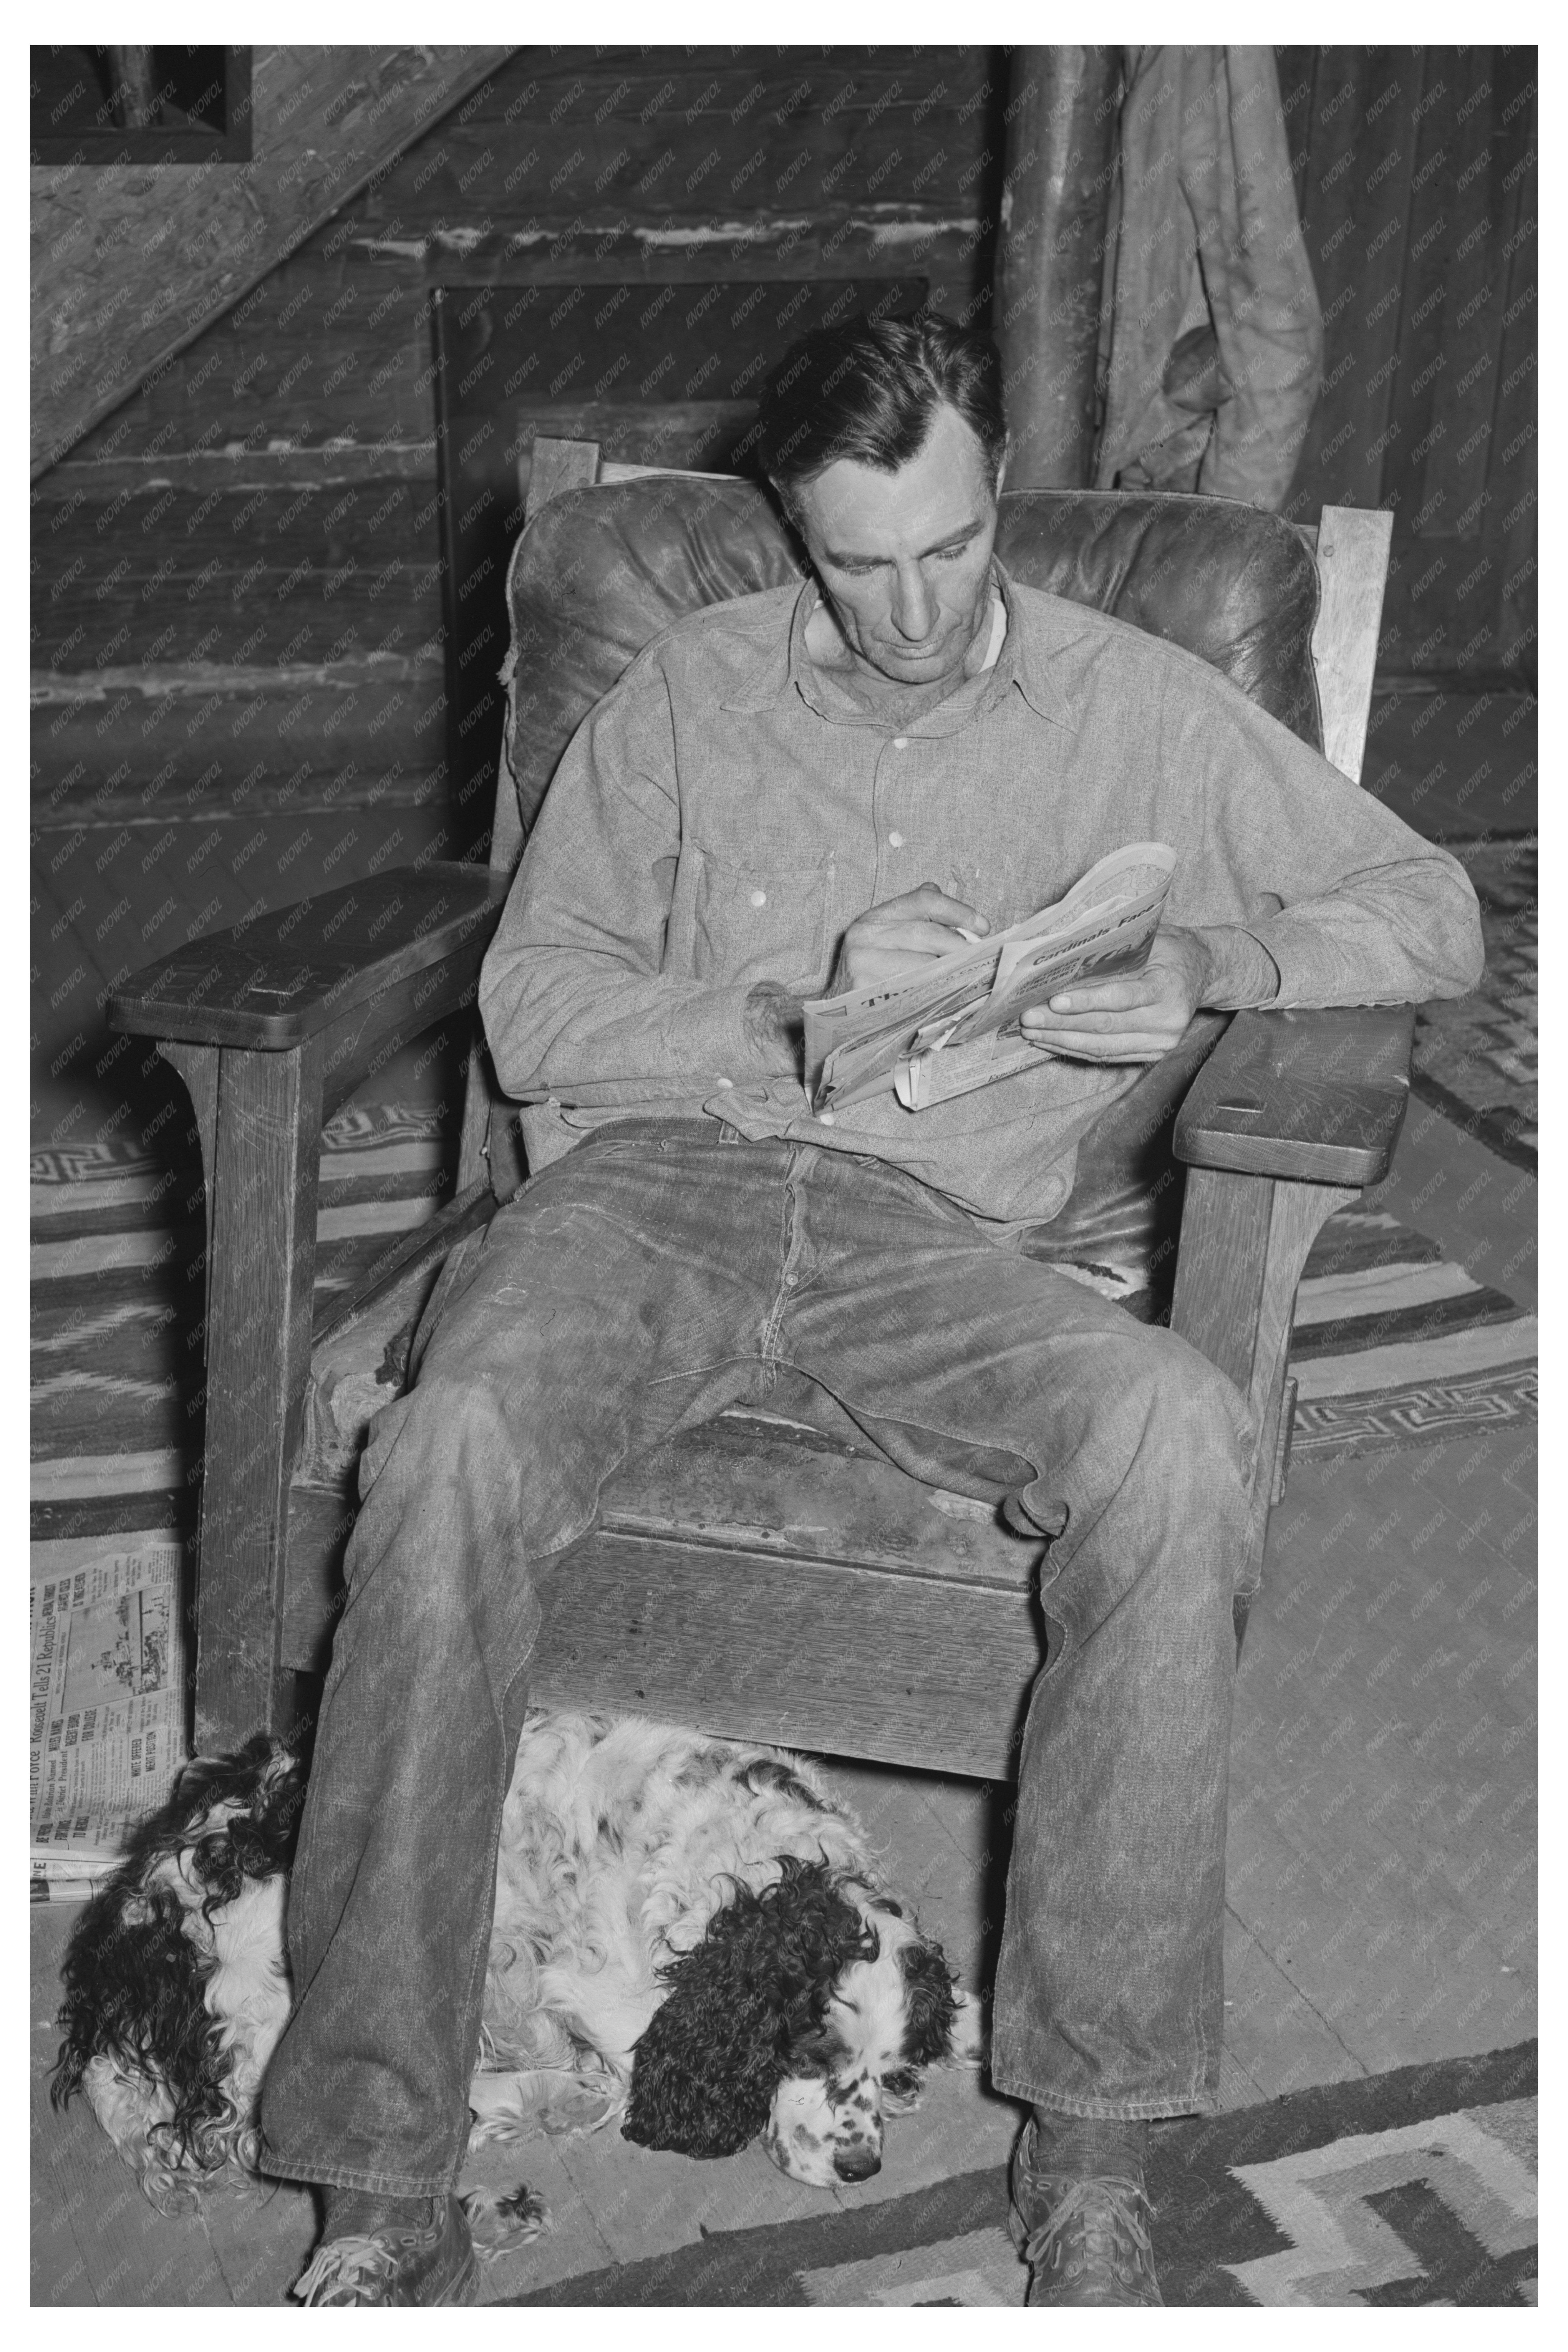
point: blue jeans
(658, 1273)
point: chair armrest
(271, 983)
(1316, 1096)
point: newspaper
(880, 1039)
(107, 1718)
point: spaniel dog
(689, 1937)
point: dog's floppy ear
(134, 1982)
(930, 2004)
(706, 2068)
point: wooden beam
(263, 1184)
(1061, 139)
(129, 264)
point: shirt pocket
(764, 921)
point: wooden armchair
(765, 1575)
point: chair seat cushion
(798, 1479)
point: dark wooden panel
(723, 1641)
(138, 526)
(160, 255)
(122, 742)
(1356, 180)
(1414, 169)
(591, 343)
(168, 574)
(313, 348)
(955, 250)
(282, 464)
(1449, 375)
(727, 135)
(1511, 476)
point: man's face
(904, 558)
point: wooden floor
(1380, 1881)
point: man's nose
(914, 606)
(856, 2163)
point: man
(791, 792)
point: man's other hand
(1136, 1016)
(897, 940)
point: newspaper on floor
(883, 1039)
(107, 1718)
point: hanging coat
(1211, 333)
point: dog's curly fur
(175, 1986)
(689, 1933)
(740, 2004)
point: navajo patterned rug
(1477, 1056)
(1412, 2187)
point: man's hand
(774, 1017)
(1134, 1016)
(898, 938)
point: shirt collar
(788, 669)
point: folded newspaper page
(107, 1716)
(880, 1040)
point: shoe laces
(1104, 2209)
(345, 2264)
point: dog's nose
(856, 2163)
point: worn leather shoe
(1083, 2229)
(416, 2252)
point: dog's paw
(501, 2219)
(970, 2029)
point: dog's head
(891, 2016)
(808, 2013)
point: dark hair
(870, 390)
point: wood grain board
(160, 252)
(1415, 177)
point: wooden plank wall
(237, 578)
(128, 264)
(1415, 178)
(237, 626)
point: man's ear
(1002, 464)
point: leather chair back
(600, 572)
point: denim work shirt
(726, 810)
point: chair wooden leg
(262, 1184)
(1245, 1240)
(198, 1066)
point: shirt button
(897, 840)
(900, 742)
(728, 1084)
(826, 1117)
(759, 897)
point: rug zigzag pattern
(1415, 2186)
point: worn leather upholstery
(600, 572)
